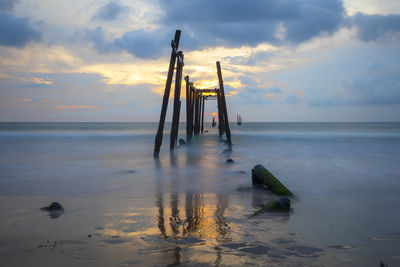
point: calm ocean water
(190, 207)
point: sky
(282, 60)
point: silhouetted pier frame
(195, 101)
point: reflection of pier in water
(198, 218)
(195, 217)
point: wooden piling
(199, 114)
(191, 115)
(226, 121)
(159, 135)
(177, 102)
(188, 137)
(202, 115)
(220, 114)
(196, 113)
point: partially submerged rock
(55, 210)
(182, 142)
(261, 176)
(229, 161)
(280, 205)
(53, 206)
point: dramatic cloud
(138, 43)
(376, 27)
(376, 85)
(97, 36)
(16, 32)
(109, 12)
(236, 22)
(7, 5)
(226, 22)
(142, 44)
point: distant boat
(239, 119)
(213, 123)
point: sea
(189, 207)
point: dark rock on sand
(53, 206)
(55, 210)
(229, 161)
(182, 142)
(280, 205)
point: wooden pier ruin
(195, 101)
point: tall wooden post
(159, 135)
(192, 104)
(221, 126)
(188, 103)
(196, 113)
(177, 101)
(202, 115)
(199, 115)
(226, 121)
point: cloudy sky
(282, 60)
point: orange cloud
(80, 107)
(21, 100)
(271, 95)
(41, 80)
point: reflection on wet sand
(193, 215)
(193, 219)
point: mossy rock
(261, 176)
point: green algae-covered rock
(281, 205)
(261, 176)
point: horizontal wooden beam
(214, 90)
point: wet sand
(194, 229)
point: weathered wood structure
(195, 102)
